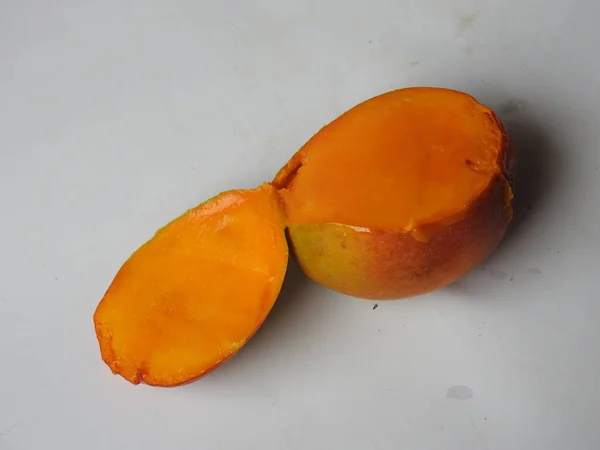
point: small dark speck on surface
(512, 106)
(459, 392)
(55, 279)
(485, 418)
(479, 335)
(511, 278)
(231, 24)
(375, 306)
(370, 42)
(378, 330)
(465, 22)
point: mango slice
(194, 294)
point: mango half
(401, 195)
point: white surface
(117, 116)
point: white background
(117, 116)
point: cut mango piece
(194, 294)
(399, 161)
(401, 195)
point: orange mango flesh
(196, 292)
(409, 160)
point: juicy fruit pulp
(400, 161)
(401, 195)
(194, 294)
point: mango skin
(387, 264)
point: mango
(401, 195)
(193, 295)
